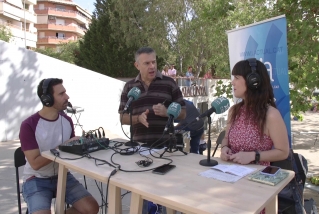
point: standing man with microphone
(149, 110)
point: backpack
(290, 198)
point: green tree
(303, 38)
(5, 33)
(65, 51)
(303, 49)
(102, 48)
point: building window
(41, 35)
(41, 6)
(60, 7)
(60, 35)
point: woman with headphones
(255, 131)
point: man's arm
(35, 159)
(125, 120)
(141, 118)
(182, 115)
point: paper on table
(222, 172)
(234, 169)
(220, 176)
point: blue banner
(267, 42)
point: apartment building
(60, 21)
(19, 17)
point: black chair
(286, 202)
(219, 141)
(19, 160)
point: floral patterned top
(245, 136)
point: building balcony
(62, 28)
(16, 13)
(18, 31)
(54, 40)
(63, 13)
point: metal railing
(196, 81)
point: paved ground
(305, 142)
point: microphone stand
(131, 142)
(208, 161)
(172, 142)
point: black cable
(122, 126)
(107, 185)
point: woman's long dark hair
(256, 100)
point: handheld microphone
(219, 106)
(173, 111)
(133, 94)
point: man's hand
(160, 110)
(72, 139)
(142, 118)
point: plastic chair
(219, 141)
(19, 160)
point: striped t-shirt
(162, 89)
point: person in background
(190, 123)
(208, 74)
(255, 131)
(172, 71)
(165, 71)
(42, 131)
(189, 76)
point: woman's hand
(243, 157)
(225, 153)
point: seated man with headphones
(42, 131)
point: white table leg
(272, 206)
(114, 199)
(60, 195)
(136, 203)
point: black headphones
(46, 98)
(253, 79)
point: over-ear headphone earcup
(47, 100)
(253, 80)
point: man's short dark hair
(53, 82)
(143, 50)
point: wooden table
(181, 189)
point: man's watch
(257, 157)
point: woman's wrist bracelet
(137, 119)
(224, 146)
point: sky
(86, 4)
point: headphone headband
(253, 64)
(45, 85)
